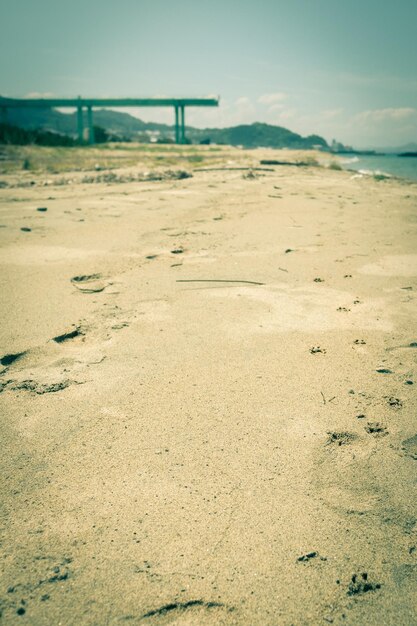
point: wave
(374, 173)
(354, 159)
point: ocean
(403, 167)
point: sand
(208, 398)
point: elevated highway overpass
(178, 104)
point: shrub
(21, 137)
(334, 165)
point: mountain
(257, 135)
(51, 119)
(123, 124)
(408, 147)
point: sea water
(389, 164)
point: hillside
(123, 124)
(258, 135)
(51, 119)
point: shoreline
(383, 165)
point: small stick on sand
(234, 169)
(213, 280)
(324, 399)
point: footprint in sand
(394, 403)
(341, 438)
(38, 388)
(410, 447)
(52, 375)
(88, 283)
(25, 588)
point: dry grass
(56, 160)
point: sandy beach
(207, 391)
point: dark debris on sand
(376, 429)
(360, 584)
(70, 335)
(8, 359)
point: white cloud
(240, 111)
(384, 115)
(276, 108)
(288, 114)
(272, 98)
(242, 101)
(37, 94)
(244, 111)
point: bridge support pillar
(182, 124)
(91, 138)
(177, 126)
(80, 122)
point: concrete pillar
(182, 121)
(80, 122)
(177, 126)
(91, 138)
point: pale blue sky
(340, 68)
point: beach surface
(208, 392)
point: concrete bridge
(80, 104)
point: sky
(343, 69)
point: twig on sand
(327, 401)
(283, 269)
(234, 169)
(213, 280)
(292, 163)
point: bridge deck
(107, 102)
